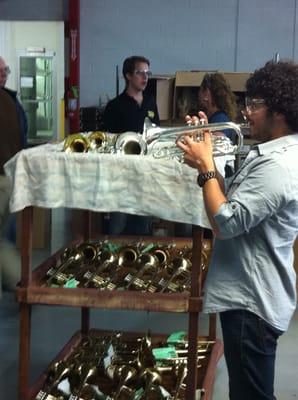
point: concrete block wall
(32, 10)
(231, 35)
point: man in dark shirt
(126, 113)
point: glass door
(38, 97)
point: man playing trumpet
(251, 280)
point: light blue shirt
(252, 263)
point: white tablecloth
(44, 176)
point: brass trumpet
(96, 141)
(76, 143)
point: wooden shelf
(128, 300)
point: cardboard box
(237, 80)
(185, 100)
(190, 78)
(162, 88)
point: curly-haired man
(251, 280)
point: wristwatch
(203, 178)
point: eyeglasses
(142, 72)
(252, 105)
(5, 70)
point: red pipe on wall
(73, 87)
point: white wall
(231, 35)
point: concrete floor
(53, 326)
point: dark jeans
(249, 348)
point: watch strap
(203, 178)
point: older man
(13, 130)
(22, 119)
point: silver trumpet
(162, 141)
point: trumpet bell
(97, 140)
(76, 143)
(131, 143)
(128, 256)
(163, 256)
(89, 251)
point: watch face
(200, 180)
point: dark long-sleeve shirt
(10, 130)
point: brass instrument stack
(120, 366)
(105, 265)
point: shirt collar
(277, 144)
(130, 98)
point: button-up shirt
(252, 262)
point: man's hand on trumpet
(196, 120)
(198, 154)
